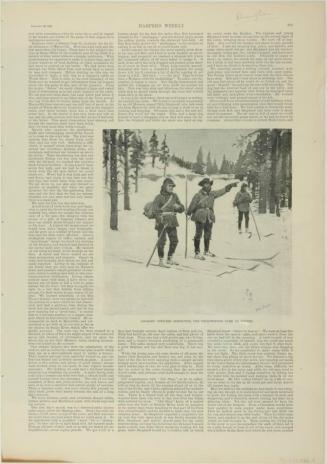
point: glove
(229, 186)
(179, 208)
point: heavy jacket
(242, 201)
(201, 206)
(174, 206)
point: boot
(196, 246)
(161, 262)
(171, 261)
(199, 256)
(208, 253)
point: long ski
(236, 267)
(254, 259)
(180, 267)
(136, 261)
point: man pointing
(202, 213)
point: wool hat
(167, 181)
(206, 180)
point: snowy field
(247, 275)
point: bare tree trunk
(106, 147)
(262, 190)
(106, 176)
(126, 173)
(113, 182)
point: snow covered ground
(247, 276)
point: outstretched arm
(221, 192)
(218, 193)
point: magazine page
(163, 232)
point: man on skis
(165, 207)
(202, 213)
(242, 201)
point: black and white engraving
(197, 221)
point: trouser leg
(246, 214)
(207, 235)
(173, 240)
(198, 235)
(162, 241)
(240, 218)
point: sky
(186, 142)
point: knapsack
(148, 208)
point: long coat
(174, 206)
(242, 201)
(201, 206)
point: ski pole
(186, 234)
(156, 245)
(255, 222)
(186, 219)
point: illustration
(197, 221)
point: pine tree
(137, 158)
(274, 187)
(120, 159)
(249, 157)
(164, 154)
(227, 166)
(250, 167)
(285, 172)
(106, 150)
(126, 145)
(262, 153)
(224, 166)
(120, 149)
(209, 165)
(240, 169)
(153, 142)
(289, 177)
(215, 167)
(199, 166)
(267, 162)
